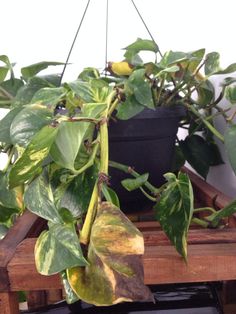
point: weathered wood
(205, 192)
(206, 262)
(28, 225)
(36, 299)
(162, 264)
(9, 303)
(195, 236)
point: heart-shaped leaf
(114, 273)
(174, 210)
(230, 137)
(58, 249)
(28, 122)
(29, 164)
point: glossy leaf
(141, 88)
(6, 213)
(69, 141)
(3, 231)
(114, 273)
(71, 297)
(110, 195)
(3, 73)
(9, 198)
(58, 249)
(39, 199)
(77, 195)
(5, 125)
(129, 108)
(33, 69)
(49, 96)
(133, 184)
(198, 153)
(212, 63)
(26, 92)
(29, 164)
(12, 86)
(230, 137)
(28, 122)
(230, 69)
(88, 74)
(81, 89)
(173, 57)
(174, 210)
(225, 212)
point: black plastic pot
(146, 143)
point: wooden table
(211, 253)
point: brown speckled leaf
(115, 270)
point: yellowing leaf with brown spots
(115, 270)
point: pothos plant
(56, 136)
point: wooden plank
(195, 236)
(206, 262)
(9, 303)
(27, 225)
(205, 192)
(162, 264)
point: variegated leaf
(174, 210)
(29, 164)
(115, 271)
(58, 249)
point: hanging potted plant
(57, 139)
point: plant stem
(91, 213)
(10, 155)
(207, 124)
(197, 210)
(130, 170)
(90, 160)
(200, 222)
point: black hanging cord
(107, 22)
(146, 26)
(73, 43)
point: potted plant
(56, 137)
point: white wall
(33, 31)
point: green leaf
(12, 86)
(39, 199)
(28, 122)
(230, 69)
(5, 125)
(129, 108)
(212, 63)
(26, 92)
(77, 196)
(89, 73)
(230, 136)
(133, 184)
(69, 141)
(9, 198)
(110, 195)
(58, 249)
(230, 94)
(33, 69)
(3, 231)
(6, 213)
(198, 153)
(3, 73)
(71, 297)
(49, 96)
(114, 273)
(173, 57)
(225, 212)
(81, 89)
(29, 164)
(206, 93)
(174, 211)
(141, 88)
(140, 45)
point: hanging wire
(145, 25)
(106, 44)
(74, 40)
